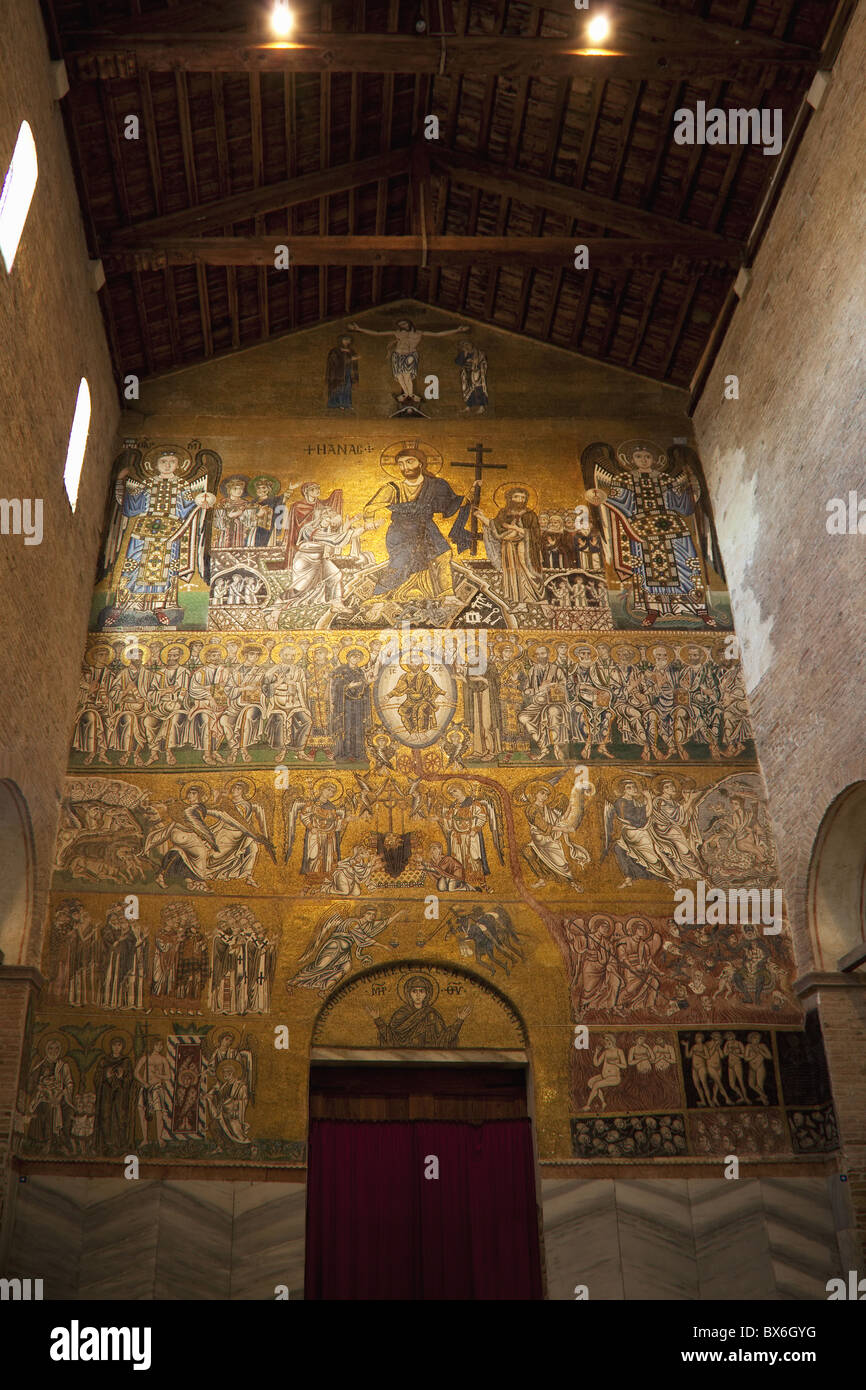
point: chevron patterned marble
(764, 1239)
(109, 1238)
(767, 1238)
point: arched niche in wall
(409, 1004)
(837, 880)
(16, 873)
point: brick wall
(773, 458)
(51, 334)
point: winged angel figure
(659, 536)
(328, 958)
(157, 535)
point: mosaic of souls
(412, 750)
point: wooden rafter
(273, 197)
(534, 191)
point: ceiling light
(599, 28)
(282, 19)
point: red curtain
(377, 1228)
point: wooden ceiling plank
(560, 106)
(258, 158)
(225, 182)
(648, 308)
(324, 157)
(623, 141)
(188, 148)
(376, 286)
(110, 119)
(677, 332)
(448, 129)
(354, 133)
(515, 136)
(151, 144)
(385, 142)
(290, 100)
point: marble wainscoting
(108, 1238)
(696, 1238)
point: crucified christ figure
(403, 351)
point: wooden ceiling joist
(104, 55)
(532, 251)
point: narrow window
(17, 192)
(77, 442)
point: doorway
(421, 1184)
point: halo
(624, 648)
(263, 651)
(247, 783)
(230, 1067)
(100, 655)
(110, 1033)
(431, 458)
(218, 1031)
(694, 646)
(148, 463)
(328, 782)
(460, 784)
(42, 1043)
(226, 483)
(532, 648)
(195, 786)
(537, 784)
(212, 648)
(319, 647)
(625, 451)
(504, 488)
(572, 651)
(682, 784)
(280, 647)
(344, 655)
(275, 484)
(167, 646)
(620, 784)
(414, 975)
(145, 651)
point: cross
(479, 450)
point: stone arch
(17, 873)
(336, 1019)
(836, 892)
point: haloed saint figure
(417, 1023)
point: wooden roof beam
(646, 20)
(272, 197)
(374, 250)
(90, 55)
(557, 197)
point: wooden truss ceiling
(244, 145)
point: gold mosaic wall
(406, 732)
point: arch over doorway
(376, 1008)
(17, 873)
(836, 893)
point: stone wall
(51, 334)
(774, 459)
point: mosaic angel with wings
(659, 536)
